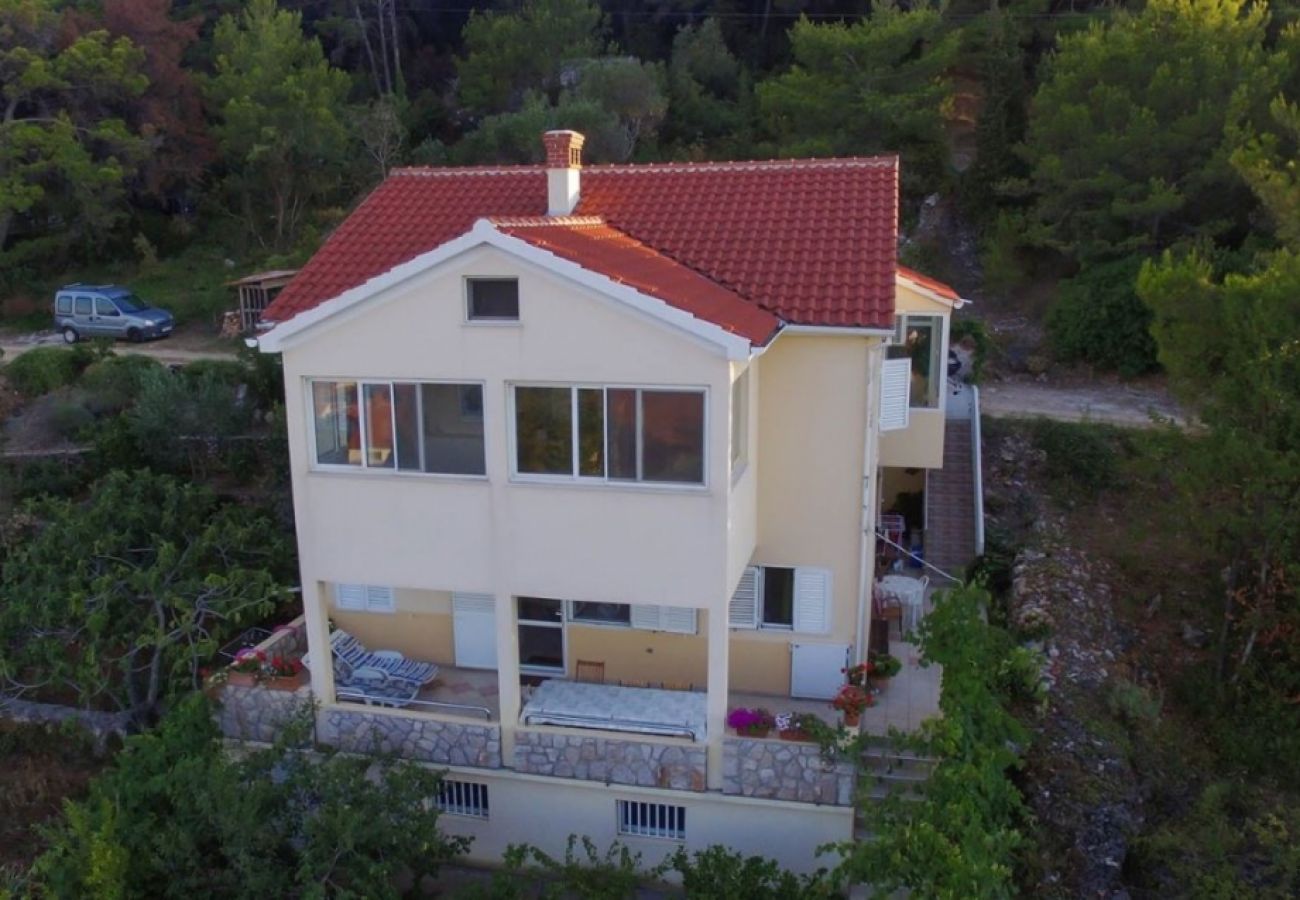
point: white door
(817, 670)
(474, 630)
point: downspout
(867, 492)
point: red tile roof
(810, 241)
(931, 284)
(596, 246)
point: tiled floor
(461, 692)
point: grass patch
(191, 284)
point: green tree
(878, 85)
(1268, 162)
(281, 112)
(711, 105)
(65, 151)
(1133, 126)
(177, 816)
(508, 54)
(1229, 345)
(119, 599)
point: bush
(1081, 456)
(1099, 319)
(112, 383)
(979, 336)
(70, 420)
(43, 369)
(222, 371)
(1132, 703)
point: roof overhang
(286, 335)
(929, 293)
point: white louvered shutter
(379, 599)
(677, 619)
(645, 617)
(812, 600)
(895, 386)
(742, 612)
(350, 596)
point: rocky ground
(1086, 799)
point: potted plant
(750, 722)
(852, 700)
(797, 726)
(884, 666)
(858, 674)
(246, 670)
(284, 674)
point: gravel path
(1116, 404)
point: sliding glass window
(614, 434)
(404, 425)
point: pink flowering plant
(249, 661)
(750, 721)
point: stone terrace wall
(784, 770)
(612, 761)
(289, 641)
(99, 725)
(425, 740)
(258, 713)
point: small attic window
(492, 300)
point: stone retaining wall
(612, 761)
(258, 713)
(425, 740)
(784, 770)
(289, 641)
(99, 725)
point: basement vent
(660, 820)
(463, 798)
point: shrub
(43, 369)
(979, 336)
(223, 371)
(1132, 703)
(1079, 455)
(69, 420)
(1098, 318)
(112, 383)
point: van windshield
(130, 303)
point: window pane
(922, 342)
(778, 596)
(338, 438)
(603, 613)
(406, 409)
(672, 436)
(739, 419)
(493, 298)
(544, 430)
(621, 408)
(104, 307)
(541, 647)
(379, 426)
(453, 428)
(591, 432)
(83, 306)
(539, 609)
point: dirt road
(178, 349)
(1131, 406)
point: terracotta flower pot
(286, 682)
(794, 734)
(756, 732)
(852, 717)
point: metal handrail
(345, 694)
(977, 462)
(929, 565)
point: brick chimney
(563, 165)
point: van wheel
(70, 335)
(133, 335)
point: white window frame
(939, 339)
(512, 422)
(660, 821)
(798, 623)
(491, 321)
(369, 598)
(570, 615)
(314, 465)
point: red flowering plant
(852, 700)
(859, 674)
(750, 721)
(280, 667)
(249, 661)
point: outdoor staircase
(950, 502)
(886, 772)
